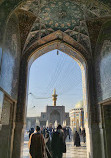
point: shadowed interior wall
(11, 58)
(103, 63)
(9, 77)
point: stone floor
(75, 152)
(72, 151)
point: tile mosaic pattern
(11, 59)
(92, 8)
(67, 16)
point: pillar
(20, 111)
(93, 130)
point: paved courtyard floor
(72, 151)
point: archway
(26, 62)
(89, 77)
(55, 115)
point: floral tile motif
(68, 16)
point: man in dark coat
(58, 143)
(76, 139)
(36, 144)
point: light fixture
(57, 52)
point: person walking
(65, 132)
(31, 131)
(69, 132)
(80, 130)
(84, 135)
(48, 145)
(76, 139)
(44, 131)
(58, 145)
(37, 145)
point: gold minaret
(54, 98)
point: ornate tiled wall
(10, 59)
(103, 63)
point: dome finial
(54, 91)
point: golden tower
(54, 98)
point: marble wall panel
(11, 58)
(103, 64)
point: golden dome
(79, 105)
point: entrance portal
(27, 60)
(65, 76)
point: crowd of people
(50, 142)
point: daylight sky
(54, 71)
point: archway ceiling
(68, 16)
(8, 6)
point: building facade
(54, 114)
(77, 117)
(32, 122)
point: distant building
(54, 114)
(32, 122)
(77, 116)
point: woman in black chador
(58, 145)
(76, 139)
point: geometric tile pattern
(68, 16)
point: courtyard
(72, 151)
